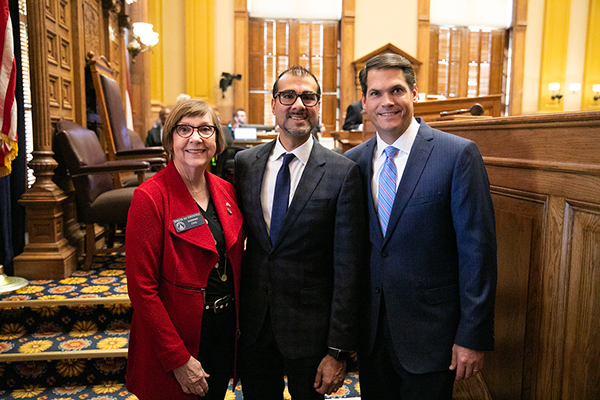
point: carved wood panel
(92, 20)
(60, 59)
(581, 380)
(519, 227)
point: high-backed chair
(120, 141)
(98, 200)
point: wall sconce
(227, 80)
(596, 89)
(144, 38)
(555, 87)
(574, 87)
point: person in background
(239, 118)
(430, 312)
(182, 97)
(353, 119)
(184, 244)
(304, 256)
(154, 137)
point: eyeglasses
(205, 131)
(288, 97)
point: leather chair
(99, 200)
(120, 142)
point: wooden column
(519, 28)
(48, 254)
(423, 44)
(139, 76)
(347, 84)
(240, 53)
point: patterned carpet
(67, 339)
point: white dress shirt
(296, 166)
(403, 144)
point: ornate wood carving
(92, 23)
(48, 254)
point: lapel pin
(229, 211)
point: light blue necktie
(281, 197)
(387, 188)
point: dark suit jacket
(436, 266)
(153, 138)
(353, 116)
(308, 280)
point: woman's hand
(192, 378)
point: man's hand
(330, 375)
(466, 362)
(192, 378)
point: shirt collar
(301, 152)
(404, 142)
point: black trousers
(382, 376)
(217, 350)
(262, 368)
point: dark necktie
(281, 197)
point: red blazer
(167, 273)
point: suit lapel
(256, 176)
(313, 172)
(417, 159)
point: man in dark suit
(353, 116)
(433, 246)
(154, 137)
(301, 269)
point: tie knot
(390, 151)
(287, 158)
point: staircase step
(108, 390)
(65, 372)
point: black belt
(220, 304)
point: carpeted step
(108, 390)
(62, 372)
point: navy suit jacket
(309, 278)
(436, 266)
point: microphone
(476, 109)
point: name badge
(188, 222)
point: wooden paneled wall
(545, 178)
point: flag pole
(10, 283)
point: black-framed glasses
(205, 131)
(288, 97)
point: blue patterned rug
(82, 315)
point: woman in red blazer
(184, 244)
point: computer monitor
(245, 133)
(259, 127)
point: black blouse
(217, 286)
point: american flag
(8, 81)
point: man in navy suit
(301, 271)
(433, 246)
